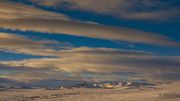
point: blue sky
(75, 40)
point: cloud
(43, 21)
(16, 41)
(104, 60)
(22, 73)
(87, 30)
(23, 45)
(162, 15)
(127, 9)
(10, 10)
(29, 75)
(69, 62)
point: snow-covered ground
(169, 92)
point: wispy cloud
(10, 10)
(56, 23)
(67, 62)
(127, 9)
(16, 41)
(23, 74)
(23, 45)
(104, 60)
(76, 61)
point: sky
(96, 40)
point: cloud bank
(105, 60)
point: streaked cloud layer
(10, 10)
(128, 9)
(138, 53)
(23, 45)
(104, 60)
(51, 24)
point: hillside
(166, 92)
